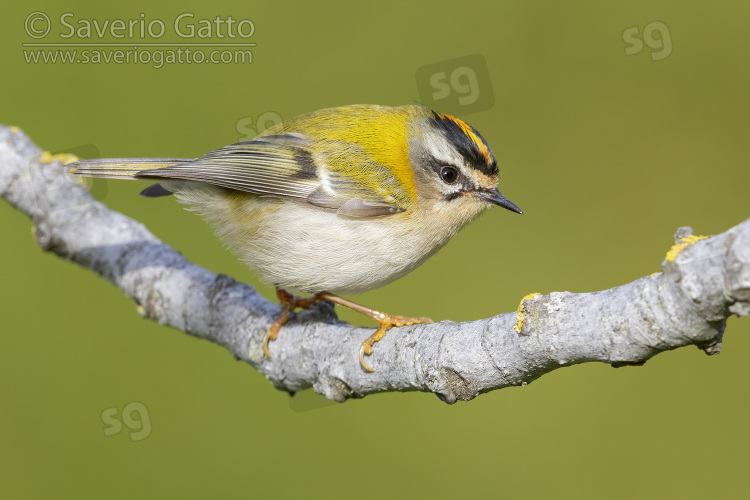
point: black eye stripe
(459, 186)
(464, 144)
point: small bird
(341, 200)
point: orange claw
(386, 322)
(366, 347)
(288, 304)
(273, 332)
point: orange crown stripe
(466, 129)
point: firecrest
(341, 200)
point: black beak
(496, 197)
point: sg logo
(456, 86)
(661, 45)
(134, 416)
(248, 129)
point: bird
(334, 202)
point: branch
(702, 283)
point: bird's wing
(284, 166)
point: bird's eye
(449, 174)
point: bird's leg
(386, 322)
(289, 303)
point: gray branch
(687, 303)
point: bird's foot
(386, 322)
(289, 302)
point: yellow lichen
(521, 312)
(677, 248)
(63, 158)
(14, 129)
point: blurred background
(613, 126)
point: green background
(606, 153)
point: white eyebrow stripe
(442, 150)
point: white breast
(304, 248)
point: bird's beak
(496, 197)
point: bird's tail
(121, 168)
